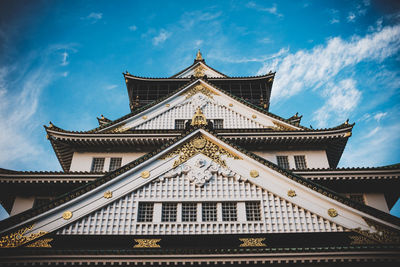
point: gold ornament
(254, 173)
(199, 56)
(332, 212)
(382, 234)
(147, 243)
(67, 215)
(18, 238)
(199, 71)
(108, 194)
(252, 242)
(254, 116)
(200, 88)
(199, 118)
(145, 174)
(230, 104)
(42, 243)
(291, 193)
(200, 144)
(144, 117)
(167, 105)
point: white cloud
(340, 100)
(133, 28)
(190, 19)
(351, 17)
(93, 17)
(198, 43)
(65, 74)
(64, 59)
(379, 116)
(311, 69)
(265, 40)
(161, 37)
(221, 55)
(111, 86)
(272, 10)
(334, 21)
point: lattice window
(168, 212)
(218, 124)
(253, 211)
(145, 212)
(229, 212)
(97, 165)
(357, 197)
(300, 162)
(189, 212)
(209, 212)
(115, 163)
(283, 161)
(179, 124)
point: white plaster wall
(82, 161)
(376, 200)
(314, 159)
(22, 203)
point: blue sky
(61, 61)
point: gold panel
(200, 144)
(42, 243)
(332, 212)
(202, 89)
(254, 173)
(199, 71)
(252, 242)
(382, 234)
(147, 243)
(145, 174)
(108, 194)
(198, 118)
(291, 193)
(18, 238)
(67, 215)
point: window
(145, 212)
(218, 124)
(357, 197)
(283, 161)
(179, 124)
(97, 165)
(189, 212)
(253, 211)
(168, 212)
(209, 212)
(115, 163)
(229, 211)
(300, 162)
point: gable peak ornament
(199, 56)
(199, 118)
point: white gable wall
(207, 71)
(314, 159)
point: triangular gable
(200, 93)
(263, 174)
(199, 69)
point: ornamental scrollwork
(252, 242)
(200, 89)
(147, 243)
(197, 145)
(361, 240)
(42, 243)
(19, 238)
(382, 234)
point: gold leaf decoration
(252, 242)
(199, 71)
(254, 173)
(332, 212)
(42, 243)
(291, 193)
(18, 238)
(145, 174)
(67, 215)
(200, 89)
(361, 240)
(147, 243)
(108, 194)
(383, 234)
(200, 144)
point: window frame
(281, 163)
(229, 211)
(251, 215)
(169, 212)
(208, 214)
(94, 168)
(300, 162)
(189, 215)
(111, 162)
(147, 214)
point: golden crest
(67, 215)
(230, 104)
(199, 143)
(291, 193)
(147, 243)
(332, 212)
(42, 243)
(252, 242)
(108, 194)
(199, 118)
(145, 174)
(254, 173)
(19, 238)
(144, 117)
(254, 116)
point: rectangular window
(283, 161)
(209, 212)
(189, 212)
(97, 165)
(115, 163)
(180, 124)
(168, 212)
(145, 212)
(218, 124)
(229, 212)
(300, 162)
(253, 212)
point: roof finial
(199, 56)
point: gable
(199, 70)
(214, 104)
(282, 192)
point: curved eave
(174, 79)
(194, 64)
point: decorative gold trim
(126, 80)
(282, 126)
(67, 215)
(230, 104)
(348, 134)
(252, 242)
(147, 243)
(167, 105)
(199, 118)
(383, 234)
(199, 71)
(199, 55)
(42, 243)
(145, 174)
(332, 212)
(144, 117)
(254, 173)
(361, 240)
(291, 193)
(17, 239)
(200, 144)
(254, 116)
(108, 194)
(200, 88)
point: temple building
(200, 173)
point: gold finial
(199, 56)
(199, 118)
